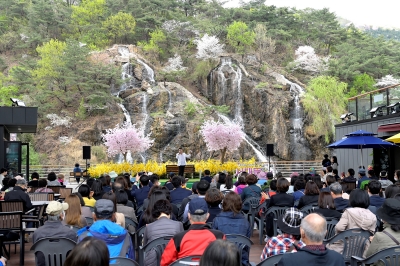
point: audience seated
(350, 178)
(311, 195)
(391, 191)
(53, 227)
(281, 199)
(117, 239)
(330, 179)
(52, 179)
(42, 187)
(162, 226)
(202, 188)
(89, 252)
(141, 193)
(34, 180)
(361, 177)
(241, 183)
(18, 194)
(374, 188)
(178, 193)
(73, 215)
(122, 200)
(119, 217)
(106, 182)
(221, 253)
(213, 198)
(289, 224)
(207, 176)
(327, 206)
(252, 190)
(390, 236)
(157, 194)
(336, 191)
(97, 189)
(87, 195)
(228, 185)
(195, 240)
(299, 187)
(168, 184)
(312, 230)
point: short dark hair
(221, 178)
(397, 173)
(359, 198)
(214, 197)
(207, 172)
(221, 253)
(329, 169)
(371, 172)
(330, 179)
(2, 170)
(144, 180)
(325, 200)
(242, 180)
(299, 184)
(335, 171)
(42, 182)
(161, 206)
(251, 179)
(34, 175)
(121, 196)
(232, 203)
(77, 165)
(282, 185)
(90, 251)
(5, 181)
(117, 186)
(154, 178)
(293, 179)
(351, 171)
(272, 184)
(84, 190)
(202, 187)
(176, 181)
(107, 180)
(374, 186)
(51, 176)
(311, 188)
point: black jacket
(329, 213)
(281, 200)
(308, 257)
(17, 194)
(308, 200)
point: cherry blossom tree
(175, 64)
(386, 81)
(124, 138)
(308, 60)
(221, 136)
(208, 47)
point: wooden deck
(255, 252)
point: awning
(389, 127)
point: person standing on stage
(181, 156)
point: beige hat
(55, 208)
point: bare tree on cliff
(222, 137)
(125, 138)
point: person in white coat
(181, 157)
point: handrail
(371, 92)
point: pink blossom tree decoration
(221, 136)
(124, 138)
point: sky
(382, 13)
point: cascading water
(149, 71)
(298, 144)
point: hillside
(178, 63)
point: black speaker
(86, 152)
(270, 150)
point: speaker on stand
(270, 152)
(86, 155)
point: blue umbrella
(360, 140)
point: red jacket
(191, 242)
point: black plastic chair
(55, 250)
(139, 237)
(272, 261)
(387, 257)
(188, 260)
(89, 221)
(331, 225)
(241, 242)
(13, 221)
(122, 261)
(253, 202)
(309, 209)
(129, 221)
(158, 245)
(353, 240)
(276, 211)
(260, 220)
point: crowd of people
(199, 219)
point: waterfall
(145, 114)
(169, 100)
(298, 144)
(149, 71)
